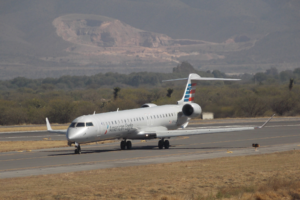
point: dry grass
(30, 128)
(273, 176)
(6, 146)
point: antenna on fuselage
(118, 110)
(94, 112)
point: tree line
(233, 100)
(63, 99)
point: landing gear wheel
(78, 150)
(123, 145)
(160, 144)
(166, 144)
(128, 144)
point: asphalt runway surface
(279, 135)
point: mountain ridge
(28, 38)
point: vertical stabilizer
(190, 89)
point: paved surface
(276, 136)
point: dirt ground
(259, 177)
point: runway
(279, 135)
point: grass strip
(31, 128)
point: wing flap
(184, 132)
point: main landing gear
(125, 144)
(163, 143)
(78, 149)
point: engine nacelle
(148, 105)
(191, 110)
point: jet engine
(191, 110)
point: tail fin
(190, 88)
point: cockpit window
(80, 124)
(89, 124)
(73, 125)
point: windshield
(73, 125)
(80, 124)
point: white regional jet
(148, 122)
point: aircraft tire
(160, 144)
(76, 151)
(128, 144)
(166, 144)
(123, 145)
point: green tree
(116, 92)
(61, 111)
(169, 92)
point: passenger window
(154, 117)
(140, 119)
(125, 120)
(80, 124)
(116, 122)
(89, 124)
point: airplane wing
(49, 129)
(183, 132)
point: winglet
(48, 125)
(265, 122)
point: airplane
(148, 122)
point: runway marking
(246, 140)
(114, 151)
(235, 126)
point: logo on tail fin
(189, 93)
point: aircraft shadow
(136, 148)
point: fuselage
(123, 124)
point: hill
(31, 45)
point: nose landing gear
(125, 144)
(163, 143)
(78, 149)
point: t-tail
(190, 88)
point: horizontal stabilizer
(196, 77)
(190, 88)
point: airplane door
(91, 129)
(149, 121)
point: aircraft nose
(72, 134)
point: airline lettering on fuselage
(126, 127)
